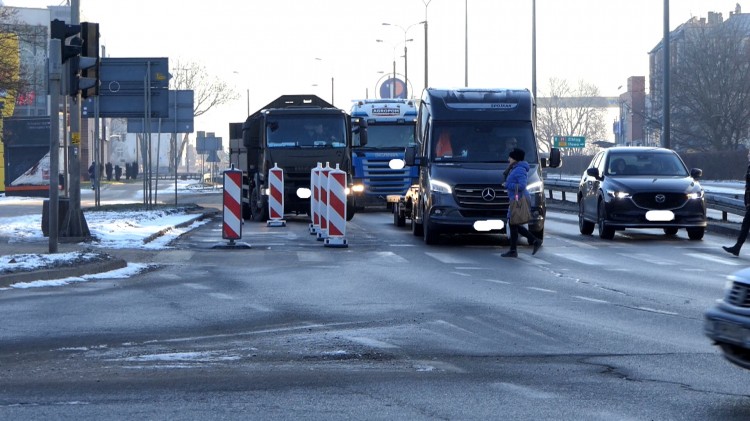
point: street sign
(180, 123)
(123, 89)
(569, 141)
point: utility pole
(55, 75)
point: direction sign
(123, 87)
(182, 122)
(569, 141)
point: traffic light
(88, 82)
(62, 31)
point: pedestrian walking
(516, 178)
(92, 175)
(735, 249)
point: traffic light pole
(55, 75)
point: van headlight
(535, 187)
(437, 186)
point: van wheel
(430, 233)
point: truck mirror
(362, 124)
(554, 160)
(410, 155)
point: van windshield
(480, 141)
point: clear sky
(269, 48)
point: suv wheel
(605, 232)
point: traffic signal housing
(69, 48)
(88, 82)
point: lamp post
(406, 66)
(247, 93)
(332, 81)
(393, 85)
(426, 64)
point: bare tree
(208, 92)
(567, 111)
(710, 102)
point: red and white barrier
(315, 199)
(276, 197)
(323, 203)
(232, 215)
(336, 214)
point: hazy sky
(270, 47)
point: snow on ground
(147, 229)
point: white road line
(653, 310)
(532, 259)
(649, 258)
(221, 295)
(542, 290)
(448, 258)
(461, 274)
(579, 244)
(593, 300)
(386, 257)
(714, 259)
(495, 281)
(580, 258)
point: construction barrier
(336, 214)
(232, 216)
(276, 197)
(323, 202)
(315, 199)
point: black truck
(295, 133)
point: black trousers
(516, 229)
(744, 229)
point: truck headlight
(437, 186)
(358, 188)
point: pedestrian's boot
(735, 249)
(510, 253)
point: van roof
(479, 104)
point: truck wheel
(259, 211)
(399, 219)
(246, 212)
(351, 209)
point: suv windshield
(313, 131)
(481, 141)
(646, 163)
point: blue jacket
(518, 176)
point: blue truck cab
(463, 138)
(378, 169)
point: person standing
(92, 175)
(516, 176)
(735, 249)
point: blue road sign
(123, 87)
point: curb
(89, 268)
(200, 217)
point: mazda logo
(488, 194)
(660, 198)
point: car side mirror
(696, 173)
(362, 130)
(593, 172)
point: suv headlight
(437, 186)
(695, 195)
(618, 194)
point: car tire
(416, 228)
(670, 231)
(696, 234)
(257, 209)
(584, 226)
(605, 232)
(430, 233)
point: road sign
(180, 123)
(569, 141)
(123, 89)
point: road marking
(578, 244)
(580, 258)
(653, 310)
(649, 258)
(387, 257)
(197, 286)
(221, 296)
(495, 281)
(714, 259)
(371, 342)
(447, 258)
(593, 300)
(533, 260)
(312, 256)
(461, 274)
(542, 289)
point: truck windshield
(388, 135)
(302, 131)
(481, 141)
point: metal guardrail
(725, 203)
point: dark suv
(640, 187)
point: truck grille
(660, 201)
(381, 180)
(739, 295)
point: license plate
(730, 331)
(660, 215)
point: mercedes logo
(488, 194)
(660, 198)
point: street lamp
(247, 94)
(405, 31)
(332, 101)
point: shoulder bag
(520, 210)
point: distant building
(629, 128)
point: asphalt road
(387, 328)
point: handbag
(520, 210)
